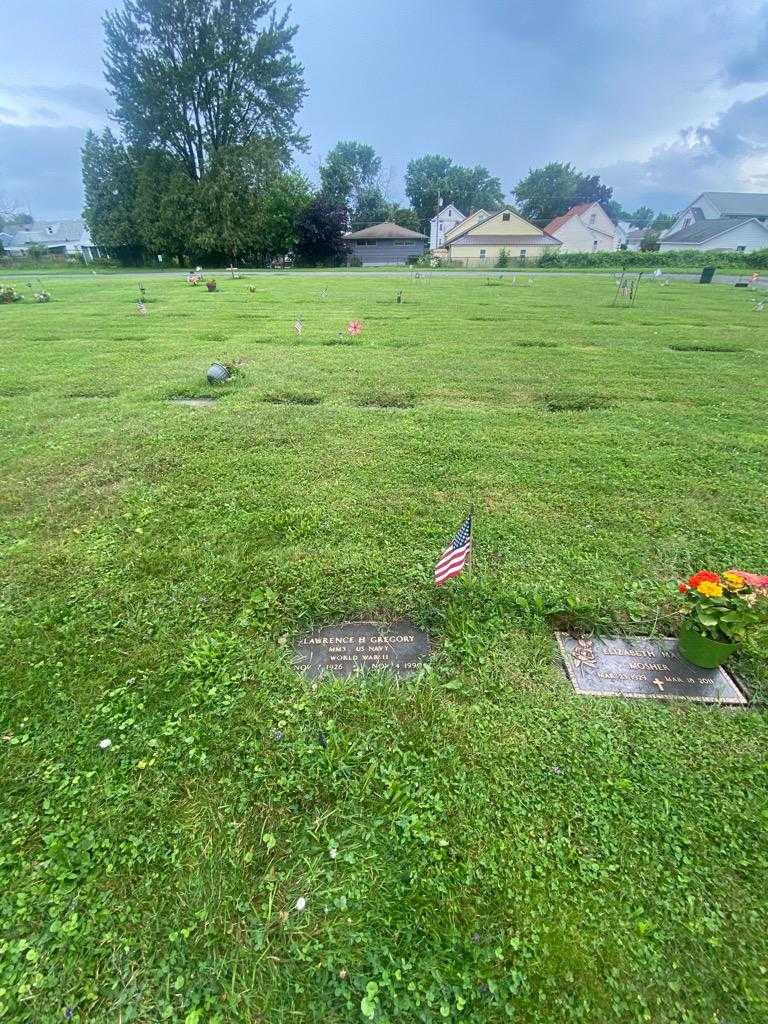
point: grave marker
(349, 648)
(636, 666)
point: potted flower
(720, 611)
(210, 284)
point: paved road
(729, 279)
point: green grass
(506, 850)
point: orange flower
(703, 577)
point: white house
(737, 221)
(444, 222)
(585, 228)
(60, 237)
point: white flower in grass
(105, 743)
(333, 853)
(301, 903)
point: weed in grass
(291, 398)
(705, 348)
(535, 344)
(576, 403)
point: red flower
(701, 577)
(682, 587)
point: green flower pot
(700, 650)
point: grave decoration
(193, 279)
(720, 613)
(210, 284)
(642, 668)
(298, 325)
(355, 327)
(627, 288)
(218, 373)
(351, 648)
(9, 294)
(141, 308)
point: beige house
(482, 238)
(585, 228)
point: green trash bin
(707, 274)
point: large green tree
(110, 182)
(195, 78)
(642, 217)
(319, 233)
(434, 180)
(350, 172)
(549, 191)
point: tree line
(206, 98)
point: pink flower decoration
(355, 327)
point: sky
(663, 98)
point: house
(737, 221)
(385, 243)
(636, 237)
(445, 221)
(61, 238)
(482, 238)
(585, 228)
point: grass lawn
(505, 850)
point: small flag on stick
(453, 559)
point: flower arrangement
(210, 284)
(9, 294)
(355, 327)
(719, 612)
(42, 296)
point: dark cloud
(729, 153)
(40, 168)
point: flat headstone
(636, 666)
(346, 648)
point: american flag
(452, 560)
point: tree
(350, 172)
(319, 231)
(110, 184)
(403, 215)
(662, 221)
(549, 191)
(165, 206)
(432, 181)
(371, 208)
(12, 215)
(642, 217)
(192, 79)
(649, 242)
(286, 198)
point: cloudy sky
(664, 98)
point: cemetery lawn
(475, 844)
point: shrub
(503, 260)
(354, 261)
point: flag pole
(471, 541)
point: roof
(739, 204)
(637, 234)
(557, 222)
(703, 230)
(385, 231)
(51, 233)
(445, 209)
(542, 239)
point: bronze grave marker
(637, 666)
(347, 648)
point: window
(523, 253)
(505, 216)
(741, 248)
(403, 241)
(594, 245)
(482, 254)
(592, 218)
(366, 241)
